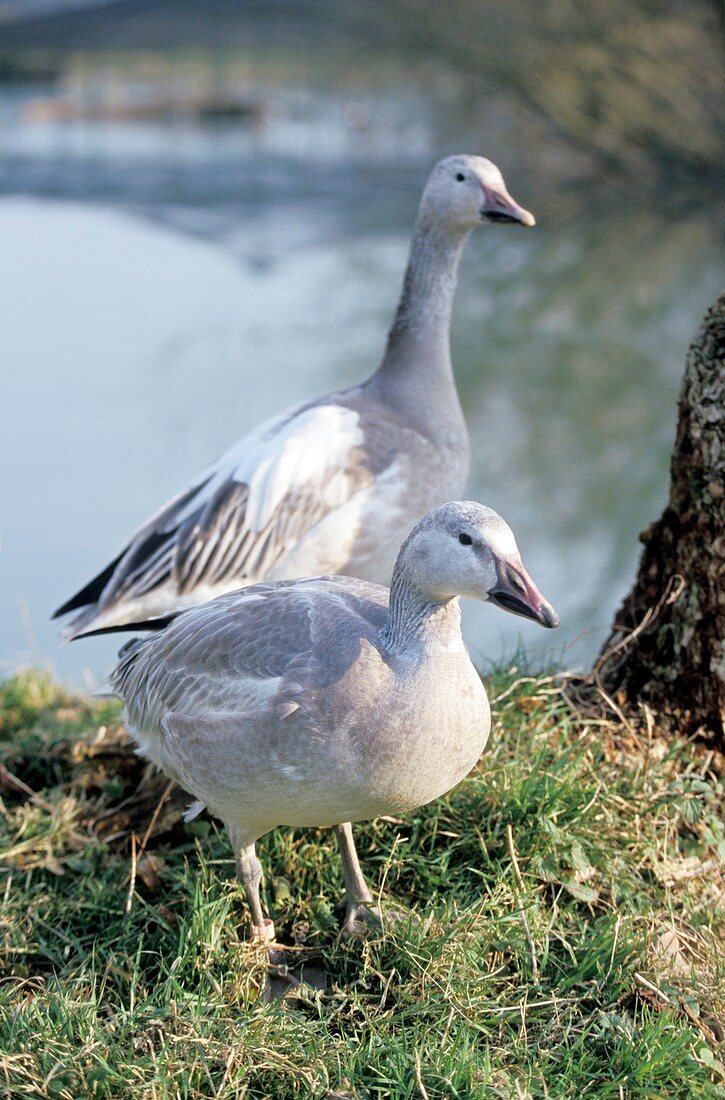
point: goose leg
(284, 974)
(249, 873)
(359, 909)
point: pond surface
(165, 288)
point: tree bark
(667, 646)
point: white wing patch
(304, 452)
(284, 453)
(361, 535)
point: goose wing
(231, 684)
(233, 524)
(259, 649)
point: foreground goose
(334, 485)
(328, 700)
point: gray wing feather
(220, 545)
(254, 650)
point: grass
(570, 942)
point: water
(166, 287)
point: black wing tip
(90, 593)
(119, 628)
(73, 604)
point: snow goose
(333, 485)
(322, 701)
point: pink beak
(515, 591)
(498, 206)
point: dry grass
(571, 897)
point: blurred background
(204, 216)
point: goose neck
(420, 329)
(416, 622)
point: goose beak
(498, 206)
(515, 591)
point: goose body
(328, 700)
(332, 485)
(288, 694)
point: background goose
(328, 700)
(333, 485)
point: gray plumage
(333, 485)
(328, 700)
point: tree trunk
(667, 647)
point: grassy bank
(570, 941)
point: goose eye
(460, 177)
(465, 540)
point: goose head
(466, 549)
(466, 191)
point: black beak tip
(548, 617)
